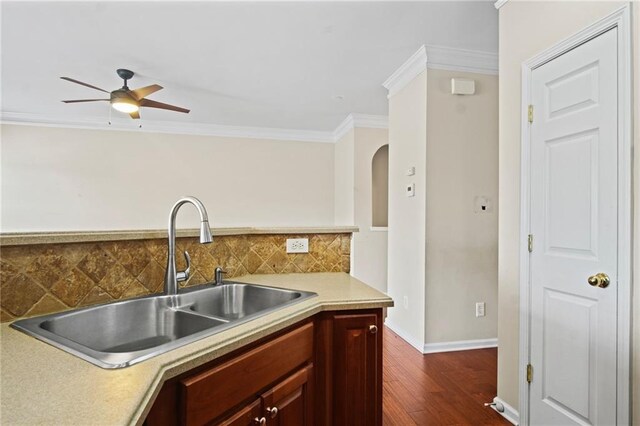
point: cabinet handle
(373, 329)
(273, 411)
(260, 421)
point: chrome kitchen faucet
(173, 277)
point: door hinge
(529, 373)
(530, 113)
(530, 243)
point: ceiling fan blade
(145, 91)
(135, 115)
(83, 84)
(154, 104)
(84, 100)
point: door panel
(567, 381)
(574, 226)
(246, 416)
(356, 348)
(570, 194)
(290, 402)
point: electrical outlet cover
(297, 245)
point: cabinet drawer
(207, 395)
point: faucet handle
(184, 275)
(218, 275)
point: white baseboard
(460, 345)
(508, 413)
(404, 335)
(428, 348)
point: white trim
(430, 348)
(475, 61)
(371, 121)
(344, 128)
(404, 335)
(525, 168)
(508, 412)
(183, 128)
(379, 229)
(620, 19)
(500, 3)
(409, 70)
(441, 58)
(201, 129)
(360, 120)
(460, 345)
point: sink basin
(235, 301)
(120, 334)
(128, 327)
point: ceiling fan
(128, 100)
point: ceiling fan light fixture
(127, 100)
(125, 105)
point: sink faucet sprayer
(172, 277)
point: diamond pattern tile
(46, 278)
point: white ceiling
(274, 65)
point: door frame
(619, 19)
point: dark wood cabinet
(326, 370)
(357, 360)
(249, 415)
(289, 403)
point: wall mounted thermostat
(411, 190)
(463, 86)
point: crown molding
(200, 129)
(407, 71)
(443, 58)
(361, 121)
(500, 3)
(475, 61)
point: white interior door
(574, 169)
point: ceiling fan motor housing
(125, 75)
(120, 95)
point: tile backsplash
(45, 278)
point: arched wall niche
(380, 188)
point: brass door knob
(599, 280)
(373, 329)
(262, 421)
(273, 411)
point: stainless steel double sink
(120, 334)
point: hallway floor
(447, 388)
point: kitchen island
(44, 385)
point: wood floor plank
(437, 389)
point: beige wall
(56, 179)
(406, 247)
(380, 187)
(344, 179)
(462, 245)
(369, 252)
(527, 28)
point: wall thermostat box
(411, 190)
(463, 86)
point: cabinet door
(357, 383)
(247, 416)
(206, 396)
(289, 403)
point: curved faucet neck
(171, 280)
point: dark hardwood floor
(437, 389)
